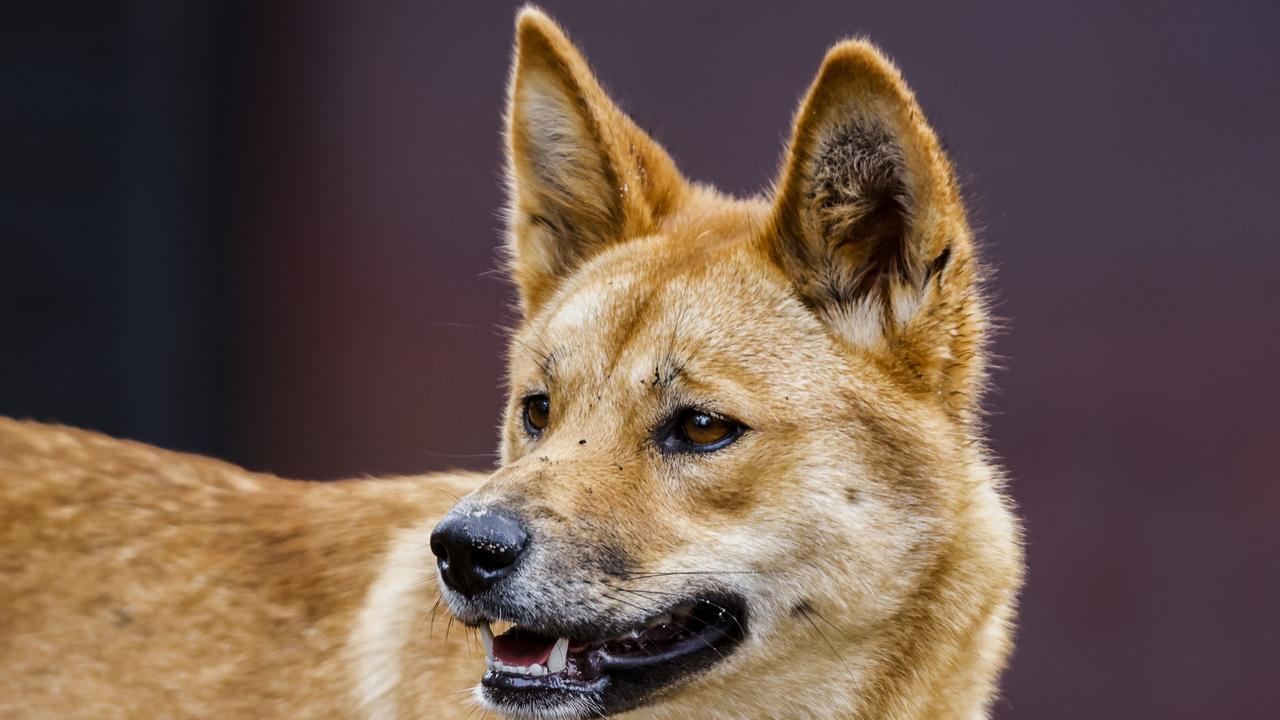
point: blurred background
(268, 232)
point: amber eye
(698, 431)
(704, 429)
(537, 413)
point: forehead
(657, 305)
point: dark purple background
(269, 233)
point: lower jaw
(607, 685)
(524, 697)
(507, 684)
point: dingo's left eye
(537, 413)
(693, 430)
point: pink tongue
(522, 647)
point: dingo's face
(732, 424)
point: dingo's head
(741, 443)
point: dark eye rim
(531, 429)
(671, 439)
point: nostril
(438, 549)
(494, 559)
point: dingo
(743, 472)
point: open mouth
(530, 673)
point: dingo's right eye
(695, 431)
(537, 413)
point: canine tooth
(559, 656)
(486, 637)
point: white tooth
(486, 637)
(559, 655)
(537, 670)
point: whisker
(646, 650)
(543, 357)
(683, 626)
(467, 326)
(624, 602)
(431, 616)
(823, 619)
(645, 576)
(701, 600)
(804, 612)
(429, 453)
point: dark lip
(619, 682)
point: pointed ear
(581, 174)
(868, 223)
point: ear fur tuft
(864, 186)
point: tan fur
(860, 515)
(143, 583)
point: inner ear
(862, 187)
(559, 160)
(859, 204)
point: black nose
(477, 549)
